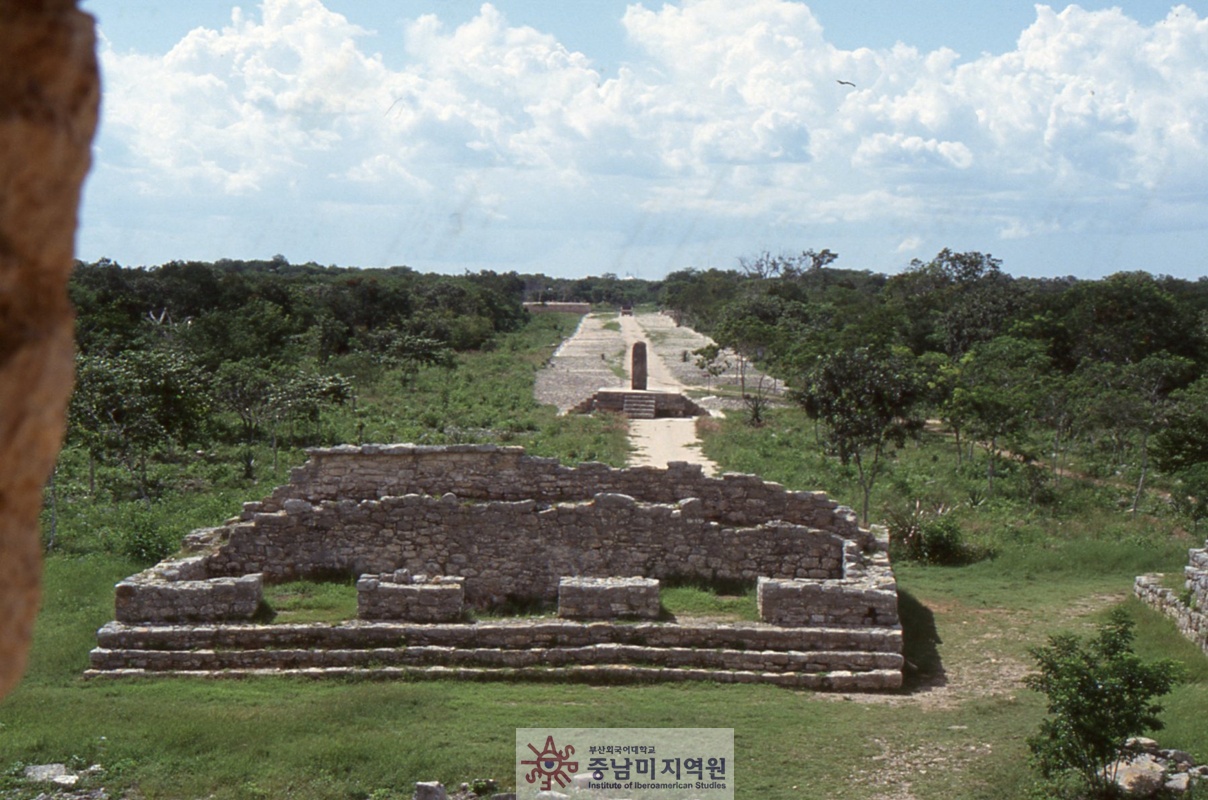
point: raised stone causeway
(437, 534)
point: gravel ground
(595, 357)
(590, 360)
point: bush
(145, 542)
(927, 536)
(941, 542)
(1099, 695)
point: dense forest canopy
(174, 355)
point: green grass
(958, 732)
(686, 602)
(312, 601)
(277, 737)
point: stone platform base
(640, 404)
(841, 659)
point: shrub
(1099, 695)
(146, 542)
(942, 542)
(927, 536)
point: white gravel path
(597, 357)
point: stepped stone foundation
(608, 598)
(1189, 611)
(640, 404)
(494, 529)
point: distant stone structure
(559, 308)
(436, 533)
(1189, 611)
(640, 405)
(638, 370)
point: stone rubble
(1154, 770)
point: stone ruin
(437, 535)
(1189, 610)
(638, 402)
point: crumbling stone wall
(489, 472)
(1190, 617)
(509, 551)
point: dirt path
(597, 357)
(658, 442)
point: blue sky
(576, 138)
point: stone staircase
(821, 658)
(640, 406)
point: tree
(1180, 448)
(867, 400)
(263, 395)
(1131, 401)
(710, 360)
(997, 392)
(953, 302)
(130, 406)
(1099, 694)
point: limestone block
(608, 598)
(399, 595)
(149, 598)
(430, 790)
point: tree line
(193, 354)
(1111, 371)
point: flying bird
(846, 83)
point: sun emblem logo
(550, 764)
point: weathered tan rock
(49, 94)
(1142, 775)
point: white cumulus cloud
(729, 125)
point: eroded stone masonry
(436, 535)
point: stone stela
(639, 371)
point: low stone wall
(608, 598)
(150, 596)
(415, 598)
(801, 603)
(518, 551)
(489, 472)
(1191, 622)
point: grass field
(957, 732)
